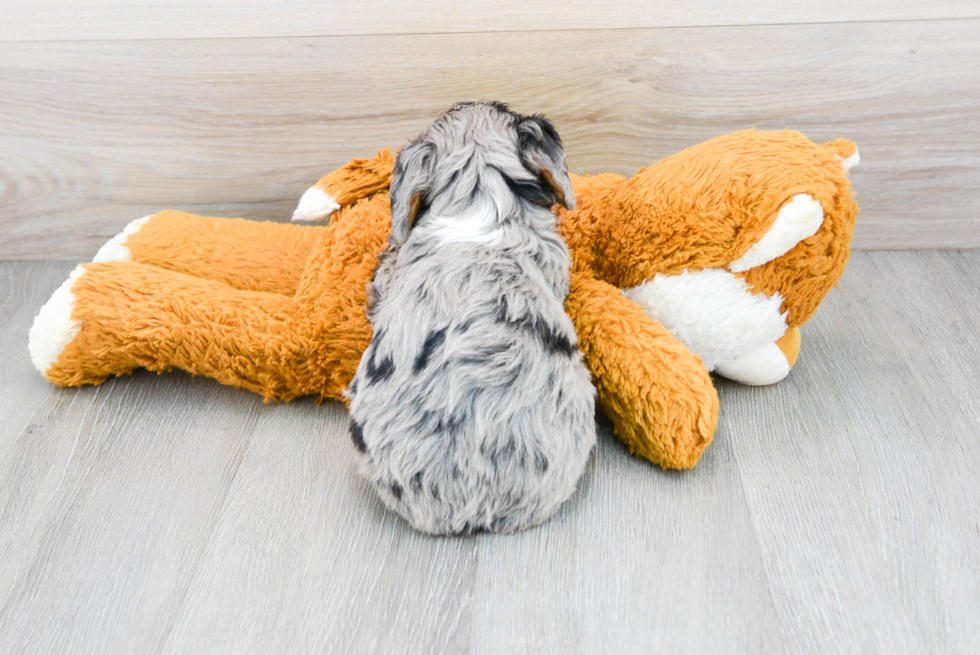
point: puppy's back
(476, 410)
(472, 408)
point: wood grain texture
(835, 512)
(865, 494)
(48, 20)
(94, 134)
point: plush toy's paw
(115, 249)
(766, 365)
(315, 205)
(54, 328)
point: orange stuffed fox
(709, 260)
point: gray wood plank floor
(838, 511)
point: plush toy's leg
(119, 316)
(361, 178)
(658, 395)
(249, 255)
(343, 262)
(112, 317)
(334, 289)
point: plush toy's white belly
(712, 312)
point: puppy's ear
(542, 154)
(411, 181)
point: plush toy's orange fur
(279, 309)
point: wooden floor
(837, 512)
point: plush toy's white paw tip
(851, 161)
(798, 219)
(765, 365)
(54, 328)
(115, 249)
(315, 205)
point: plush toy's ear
(542, 153)
(411, 181)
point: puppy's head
(473, 139)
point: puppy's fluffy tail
(361, 178)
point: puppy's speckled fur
(471, 408)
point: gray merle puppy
(471, 408)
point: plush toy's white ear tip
(315, 205)
(851, 161)
(54, 328)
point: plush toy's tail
(846, 151)
(361, 178)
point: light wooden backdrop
(110, 111)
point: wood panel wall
(110, 112)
